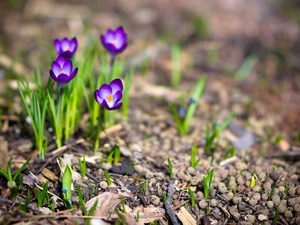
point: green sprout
(276, 216)
(82, 165)
(252, 182)
(176, 70)
(192, 197)
(121, 217)
(36, 110)
(246, 68)
(24, 205)
(144, 186)
(41, 195)
(231, 153)
(170, 168)
(107, 177)
(122, 204)
(183, 124)
(210, 138)
(114, 156)
(66, 187)
(194, 162)
(164, 197)
(207, 182)
(138, 216)
(8, 175)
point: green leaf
(66, 183)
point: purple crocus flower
(62, 71)
(109, 95)
(65, 47)
(115, 42)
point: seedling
(252, 182)
(194, 162)
(24, 206)
(12, 178)
(211, 138)
(36, 110)
(246, 68)
(41, 195)
(228, 183)
(272, 192)
(122, 204)
(176, 70)
(164, 197)
(82, 165)
(114, 156)
(107, 177)
(192, 197)
(66, 187)
(143, 188)
(207, 181)
(137, 216)
(231, 153)
(183, 124)
(276, 216)
(121, 217)
(170, 168)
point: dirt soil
(257, 185)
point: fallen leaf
(148, 214)
(185, 217)
(107, 202)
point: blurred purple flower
(62, 71)
(115, 42)
(109, 95)
(65, 47)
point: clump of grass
(207, 182)
(170, 168)
(194, 161)
(183, 123)
(192, 197)
(211, 138)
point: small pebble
(191, 170)
(251, 219)
(149, 175)
(199, 194)
(298, 191)
(292, 191)
(270, 204)
(229, 196)
(266, 212)
(276, 199)
(252, 201)
(154, 199)
(262, 217)
(213, 202)
(222, 187)
(203, 204)
(297, 220)
(103, 184)
(274, 176)
(264, 196)
(281, 189)
(256, 196)
(236, 200)
(288, 214)
(281, 208)
(256, 188)
(139, 168)
(267, 185)
(297, 207)
(262, 176)
(180, 174)
(194, 181)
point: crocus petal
(105, 105)
(63, 79)
(65, 44)
(56, 68)
(73, 45)
(97, 97)
(73, 74)
(61, 60)
(57, 46)
(116, 106)
(117, 97)
(67, 67)
(53, 76)
(105, 91)
(116, 85)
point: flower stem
(111, 64)
(98, 130)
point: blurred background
(253, 45)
